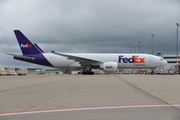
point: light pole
(134, 48)
(177, 59)
(152, 43)
(139, 45)
(131, 50)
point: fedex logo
(26, 46)
(133, 59)
(111, 67)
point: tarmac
(90, 97)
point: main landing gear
(87, 70)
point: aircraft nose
(165, 62)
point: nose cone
(165, 62)
(162, 62)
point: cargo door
(150, 61)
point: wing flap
(81, 60)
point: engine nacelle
(109, 66)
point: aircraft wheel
(88, 73)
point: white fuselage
(123, 60)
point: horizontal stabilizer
(21, 56)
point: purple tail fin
(26, 46)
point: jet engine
(109, 66)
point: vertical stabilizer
(25, 44)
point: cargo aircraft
(108, 62)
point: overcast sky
(103, 26)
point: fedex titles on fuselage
(134, 59)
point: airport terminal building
(172, 61)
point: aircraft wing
(81, 60)
(21, 56)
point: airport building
(172, 61)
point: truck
(22, 71)
(3, 72)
